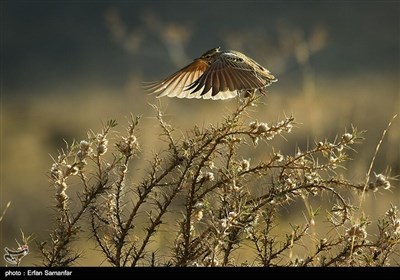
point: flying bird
(215, 75)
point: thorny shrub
(210, 201)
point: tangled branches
(209, 201)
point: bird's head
(211, 54)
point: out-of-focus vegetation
(38, 113)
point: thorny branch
(210, 199)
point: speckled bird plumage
(215, 75)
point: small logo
(14, 256)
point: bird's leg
(263, 91)
(248, 93)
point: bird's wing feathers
(228, 73)
(222, 79)
(175, 84)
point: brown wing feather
(229, 79)
(228, 72)
(216, 83)
(176, 83)
(246, 74)
(223, 81)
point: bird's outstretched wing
(175, 85)
(231, 72)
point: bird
(217, 75)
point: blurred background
(69, 66)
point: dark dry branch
(211, 199)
